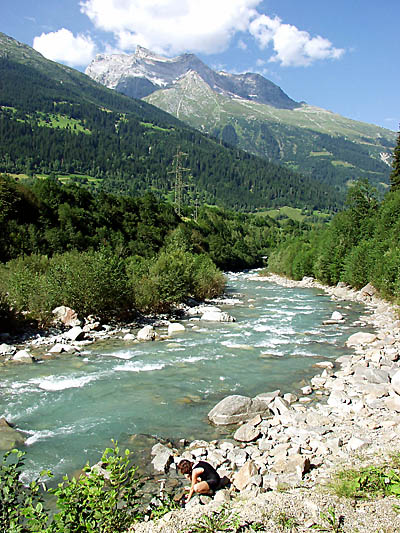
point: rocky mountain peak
(140, 74)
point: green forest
(56, 121)
(113, 254)
(360, 245)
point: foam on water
(139, 366)
(59, 383)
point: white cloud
(172, 26)
(63, 46)
(293, 47)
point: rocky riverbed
(285, 449)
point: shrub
(207, 281)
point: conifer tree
(395, 175)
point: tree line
(361, 244)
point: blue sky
(341, 55)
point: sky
(341, 55)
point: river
(69, 408)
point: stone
(175, 327)
(214, 316)
(162, 461)
(236, 408)
(7, 349)
(67, 316)
(246, 433)
(306, 390)
(222, 496)
(9, 437)
(242, 478)
(361, 338)
(159, 448)
(337, 316)
(147, 333)
(129, 337)
(395, 382)
(22, 356)
(338, 399)
(355, 444)
(294, 464)
(60, 348)
(290, 398)
(393, 402)
(368, 291)
(325, 365)
(74, 334)
(279, 406)
(370, 374)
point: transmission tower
(179, 185)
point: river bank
(298, 444)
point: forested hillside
(361, 245)
(54, 120)
(107, 254)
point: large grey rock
(22, 356)
(234, 409)
(361, 338)
(9, 438)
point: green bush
(208, 281)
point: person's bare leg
(202, 488)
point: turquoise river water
(70, 408)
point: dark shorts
(212, 483)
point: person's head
(185, 467)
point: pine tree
(395, 175)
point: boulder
(7, 349)
(215, 316)
(9, 438)
(242, 478)
(234, 409)
(337, 316)
(22, 356)
(146, 334)
(66, 316)
(361, 338)
(175, 327)
(162, 461)
(372, 375)
(355, 444)
(129, 337)
(368, 291)
(60, 348)
(246, 433)
(74, 334)
(393, 402)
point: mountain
(57, 121)
(252, 113)
(144, 72)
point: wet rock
(147, 333)
(129, 337)
(9, 437)
(213, 316)
(234, 409)
(175, 327)
(74, 334)
(60, 348)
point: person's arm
(196, 473)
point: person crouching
(204, 478)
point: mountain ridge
(57, 121)
(252, 113)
